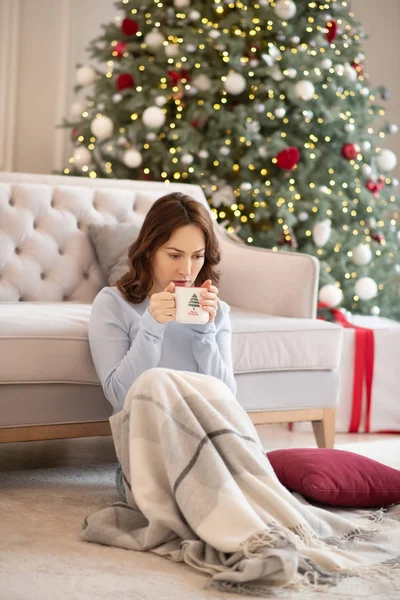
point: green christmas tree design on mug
(194, 303)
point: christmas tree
(267, 106)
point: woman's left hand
(208, 299)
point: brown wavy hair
(167, 214)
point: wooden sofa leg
(324, 430)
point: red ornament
(177, 76)
(129, 27)
(378, 237)
(288, 158)
(359, 67)
(119, 49)
(74, 134)
(350, 151)
(331, 30)
(288, 239)
(124, 81)
(376, 186)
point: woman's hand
(209, 298)
(162, 305)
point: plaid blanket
(200, 489)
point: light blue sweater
(125, 340)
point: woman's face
(180, 259)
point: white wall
(42, 40)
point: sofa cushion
(48, 342)
(112, 243)
(267, 343)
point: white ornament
(295, 39)
(260, 108)
(272, 56)
(254, 63)
(203, 154)
(132, 158)
(151, 136)
(364, 91)
(395, 182)
(82, 156)
(262, 151)
(85, 75)
(372, 222)
(214, 34)
(194, 15)
(326, 63)
(321, 232)
(153, 117)
(116, 98)
(122, 140)
(366, 288)
(308, 114)
(303, 216)
(386, 160)
(277, 74)
(224, 195)
(366, 170)
(191, 48)
(366, 145)
(339, 69)
(202, 83)
(154, 39)
(350, 72)
(102, 127)
(187, 159)
(245, 186)
(224, 150)
(235, 83)
(253, 127)
(393, 129)
(375, 311)
(349, 127)
(161, 100)
(362, 255)
(172, 50)
(280, 112)
(285, 9)
(77, 109)
(291, 72)
(181, 3)
(331, 295)
(304, 89)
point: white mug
(187, 302)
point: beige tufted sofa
(285, 361)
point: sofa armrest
(277, 283)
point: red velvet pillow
(336, 477)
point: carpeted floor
(42, 557)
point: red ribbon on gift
(363, 369)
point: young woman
(132, 325)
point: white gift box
(383, 412)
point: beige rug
(42, 557)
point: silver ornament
(224, 150)
(280, 112)
(302, 216)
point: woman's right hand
(162, 305)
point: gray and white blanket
(200, 489)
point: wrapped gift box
(369, 399)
